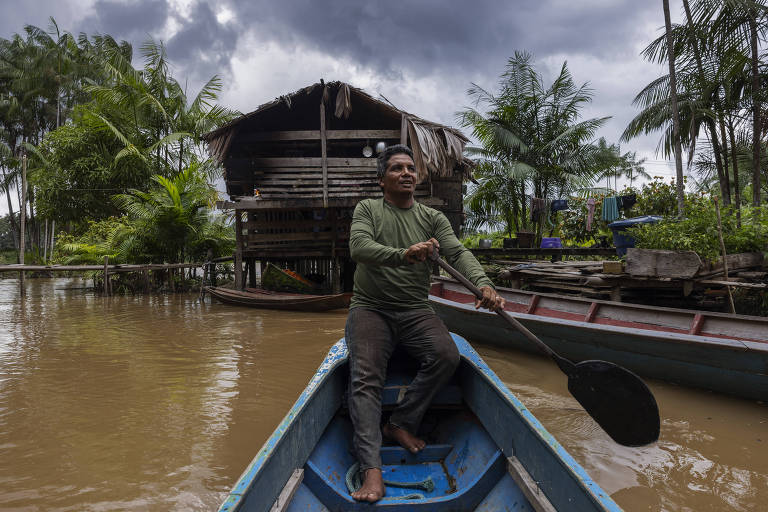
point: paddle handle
(503, 314)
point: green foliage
(656, 198)
(171, 222)
(82, 175)
(698, 231)
(94, 126)
(6, 236)
(89, 247)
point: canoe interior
(473, 427)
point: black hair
(388, 153)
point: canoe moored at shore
(714, 351)
(265, 299)
(485, 451)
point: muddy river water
(159, 403)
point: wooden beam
(324, 154)
(291, 202)
(288, 135)
(529, 486)
(286, 495)
(309, 236)
(404, 130)
(312, 162)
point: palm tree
(171, 222)
(532, 140)
(675, 113)
(148, 111)
(735, 26)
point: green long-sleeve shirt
(379, 236)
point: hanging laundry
(559, 204)
(627, 201)
(590, 212)
(610, 208)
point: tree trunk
(755, 110)
(722, 170)
(724, 149)
(736, 187)
(12, 216)
(675, 115)
(22, 220)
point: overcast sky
(422, 55)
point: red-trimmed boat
(716, 351)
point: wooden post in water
(252, 273)
(45, 242)
(53, 237)
(202, 281)
(106, 276)
(324, 154)
(22, 221)
(725, 260)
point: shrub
(698, 231)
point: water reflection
(149, 403)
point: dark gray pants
(372, 336)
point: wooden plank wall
(320, 231)
(303, 178)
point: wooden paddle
(618, 400)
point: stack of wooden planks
(641, 279)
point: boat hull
(485, 451)
(264, 299)
(733, 366)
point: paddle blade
(618, 400)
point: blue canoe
(485, 451)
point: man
(391, 239)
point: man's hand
(421, 251)
(491, 300)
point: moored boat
(715, 351)
(266, 299)
(485, 451)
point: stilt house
(296, 167)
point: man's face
(400, 176)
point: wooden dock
(612, 280)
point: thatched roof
(437, 149)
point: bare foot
(372, 489)
(407, 440)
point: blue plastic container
(551, 243)
(621, 239)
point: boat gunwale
(624, 305)
(737, 345)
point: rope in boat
(354, 481)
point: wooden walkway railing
(107, 269)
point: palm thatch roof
(438, 149)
